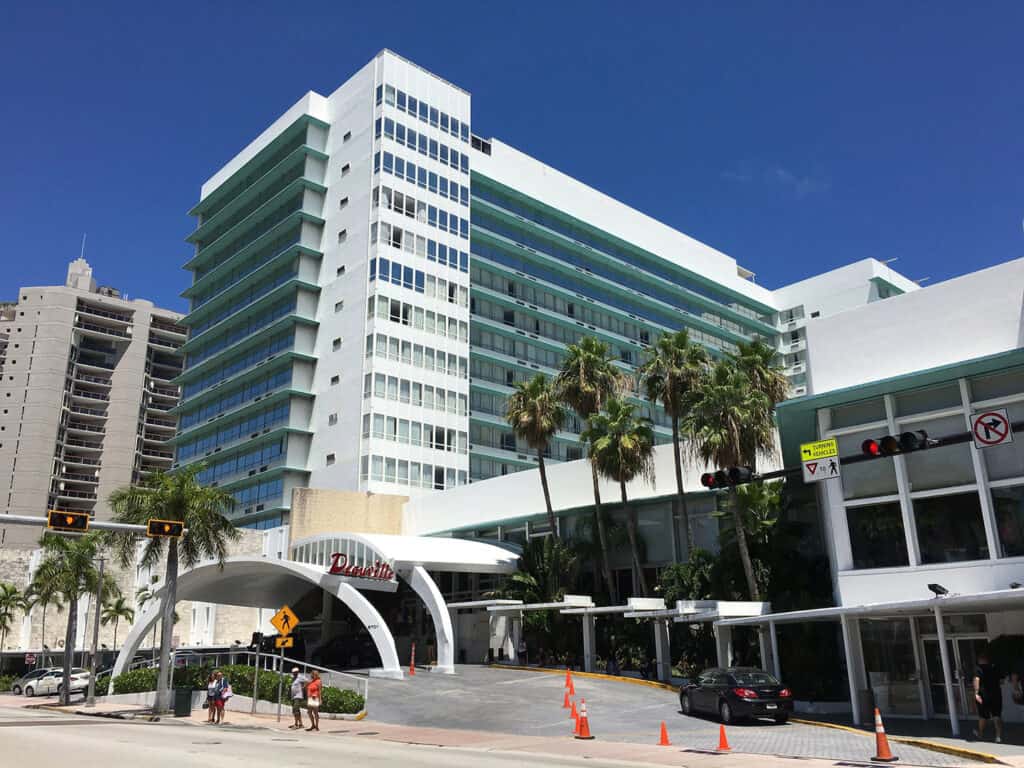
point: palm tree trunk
(741, 542)
(69, 649)
(163, 691)
(547, 494)
(603, 537)
(631, 530)
(677, 452)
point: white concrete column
(776, 664)
(763, 647)
(136, 634)
(515, 635)
(426, 588)
(723, 645)
(662, 648)
(851, 670)
(947, 673)
(589, 644)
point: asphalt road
(530, 703)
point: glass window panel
(1000, 384)
(864, 412)
(1008, 504)
(867, 478)
(950, 529)
(876, 535)
(891, 665)
(932, 399)
(940, 467)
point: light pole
(90, 697)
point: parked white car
(51, 683)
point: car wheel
(30, 691)
(781, 719)
(684, 703)
(16, 690)
(725, 713)
(60, 688)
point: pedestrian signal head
(708, 480)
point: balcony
(90, 395)
(103, 331)
(76, 477)
(156, 341)
(159, 407)
(87, 378)
(69, 494)
(156, 454)
(92, 413)
(116, 318)
(101, 365)
(84, 461)
(85, 445)
(77, 426)
(161, 423)
(159, 325)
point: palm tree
(116, 610)
(757, 361)
(44, 594)
(208, 533)
(622, 449)
(535, 415)
(730, 423)
(587, 380)
(12, 601)
(69, 565)
(670, 376)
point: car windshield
(754, 678)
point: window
(330, 459)
(332, 419)
(339, 305)
(345, 169)
(343, 202)
(340, 271)
(335, 380)
(343, 236)
(1009, 508)
(950, 529)
(346, 137)
(815, 314)
(876, 535)
(336, 345)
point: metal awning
(435, 553)
(582, 601)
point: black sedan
(736, 693)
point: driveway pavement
(502, 701)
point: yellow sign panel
(819, 449)
(284, 642)
(285, 621)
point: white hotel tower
(370, 280)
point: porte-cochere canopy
(342, 564)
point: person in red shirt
(313, 690)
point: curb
(592, 675)
(910, 741)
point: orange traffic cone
(572, 688)
(663, 741)
(583, 732)
(568, 678)
(723, 742)
(575, 717)
(565, 701)
(882, 752)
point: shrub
(102, 685)
(341, 701)
(6, 681)
(136, 681)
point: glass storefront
(890, 661)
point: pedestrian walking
(988, 694)
(297, 693)
(211, 698)
(313, 694)
(225, 695)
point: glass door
(963, 657)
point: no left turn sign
(991, 428)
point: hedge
(6, 681)
(334, 700)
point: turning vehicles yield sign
(991, 427)
(820, 460)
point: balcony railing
(84, 326)
(79, 478)
(169, 424)
(84, 427)
(75, 442)
(75, 494)
(96, 364)
(88, 411)
(157, 454)
(81, 460)
(156, 340)
(79, 376)
(89, 309)
(90, 395)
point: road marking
(525, 680)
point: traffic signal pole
(41, 522)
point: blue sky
(794, 136)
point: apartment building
(371, 279)
(87, 396)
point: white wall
(961, 319)
(488, 502)
(838, 290)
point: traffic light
(75, 522)
(724, 478)
(164, 529)
(890, 445)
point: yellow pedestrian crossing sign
(285, 621)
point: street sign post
(30, 659)
(820, 460)
(284, 621)
(990, 428)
